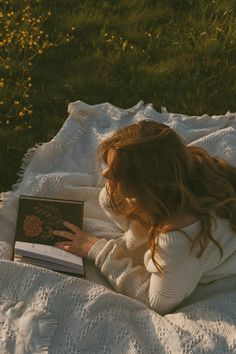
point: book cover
(38, 217)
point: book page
(78, 270)
(49, 253)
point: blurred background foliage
(178, 54)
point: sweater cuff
(97, 248)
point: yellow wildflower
(124, 45)
(2, 84)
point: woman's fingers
(62, 244)
(72, 227)
(64, 234)
(79, 242)
(67, 246)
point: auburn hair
(163, 177)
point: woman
(177, 208)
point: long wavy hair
(162, 178)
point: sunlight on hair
(167, 178)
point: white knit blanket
(45, 312)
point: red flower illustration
(32, 225)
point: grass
(177, 54)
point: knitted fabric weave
(45, 312)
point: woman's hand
(79, 243)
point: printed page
(48, 253)
(76, 269)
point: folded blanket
(45, 312)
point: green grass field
(174, 53)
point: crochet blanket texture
(46, 312)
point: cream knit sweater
(127, 262)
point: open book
(34, 242)
(49, 257)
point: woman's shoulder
(190, 227)
(182, 221)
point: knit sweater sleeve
(143, 282)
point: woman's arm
(143, 282)
(132, 272)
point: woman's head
(148, 161)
